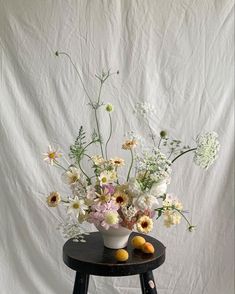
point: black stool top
(93, 258)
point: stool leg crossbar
(146, 280)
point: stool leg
(147, 283)
(81, 283)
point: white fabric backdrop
(177, 55)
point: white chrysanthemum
(77, 206)
(159, 189)
(146, 201)
(134, 187)
(71, 176)
(207, 149)
(111, 217)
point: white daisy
(107, 177)
(77, 206)
(51, 155)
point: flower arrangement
(116, 193)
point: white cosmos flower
(77, 206)
(146, 201)
(71, 176)
(207, 149)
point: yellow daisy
(144, 224)
(121, 198)
(53, 199)
(129, 144)
(117, 161)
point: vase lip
(120, 228)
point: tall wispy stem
(152, 135)
(95, 105)
(76, 70)
(110, 134)
(98, 131)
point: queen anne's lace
(207, 149)
(144, 109)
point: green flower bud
(191, 228)
(109, 107)
(163, 134)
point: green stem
(183, 216)
(110, 134)
(192, 149)
(170, 155)
(75, 68)
(88, 178)
(87, 156)
(99, 95)
(59, 165)
(158, 146)
(86, 147)
(98, 130)
(132, 160)
(152, 135)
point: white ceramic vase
(114, 238)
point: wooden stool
(92, 258)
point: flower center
(74, 178)
(52, 155)
(53, 199)
(104, 198)
(144, 225)
(119, 199)
(76, 205)
(104, 180)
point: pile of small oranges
(138, 242)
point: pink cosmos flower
(110, 188)
(105, 215)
